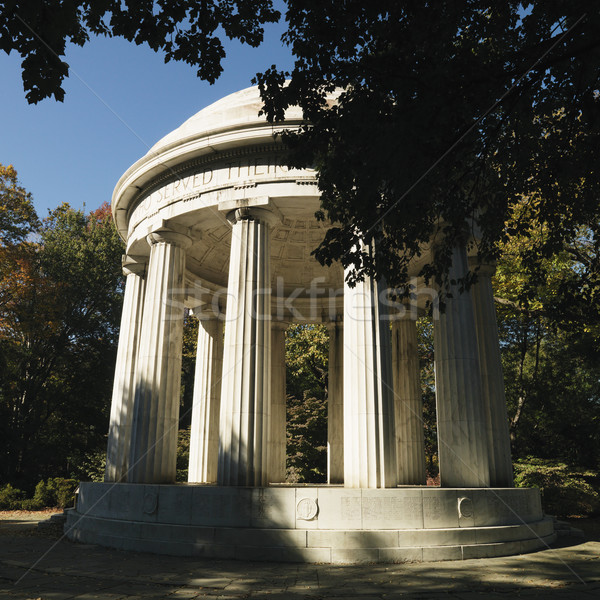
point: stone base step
(564, 529)
(316, 546)
(56, 521)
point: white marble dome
(235, 111)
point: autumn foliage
(60, 290)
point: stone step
(56, 521)
(564, 529)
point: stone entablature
(242, 172)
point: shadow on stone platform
(62, 569)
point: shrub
(43, 495)
(63, 491)
(90, 466)
(10, 498)
(565, 490)
(31, 504)
(57, 492)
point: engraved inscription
(261, 506)
(350, 508)
(413, 507)
(433, 508)
(391, 508)
(255, 167)
(218, 175)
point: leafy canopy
(17, 214)
(185, 30)
(563, 288)
(306, 359)
(448, 114)
(60, 297)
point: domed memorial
(215, 221)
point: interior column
(369, 435)
(335, 404)
(462, 444)
(492, 378)
(408, 402)
(246, 387)
(121, 411)
(158, 372)
(204, 431)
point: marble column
(408, 402)
(335, 404)
(369, 433)
(492, 379)
(277, 440)
(204, 431)
(246, 387)
(158, 372)
(121, 411)
(462, 443)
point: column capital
(252, 213)
(169, 236)
(206, 312)
(134, 264)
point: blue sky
(120, 99)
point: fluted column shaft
(158, 372)
(408, 403)
(462, 444)
(246, 388)
(492, 379)
(335, 404)
(121, 411)
(277, 440)
(369, 435)
(204, 431)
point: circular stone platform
(311, 524)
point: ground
(41, 565)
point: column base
(311, 524)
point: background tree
(550, 328)
(188, 369)
(306, 355)
(17, 214)
(61, 295)
(186, 30)
(448, 114)
(425, 349)
(188, 373)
